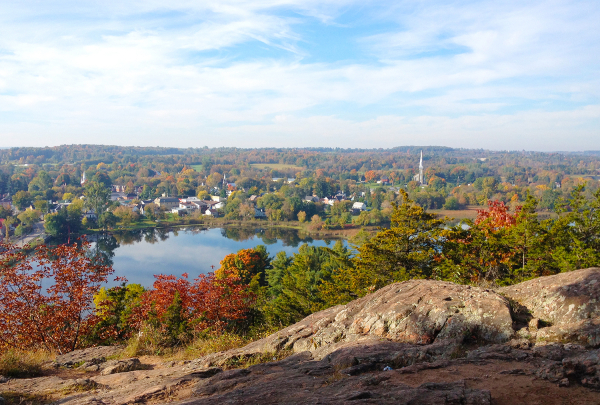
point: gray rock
(563, 308)
(89, 356)
(121, 366)
(417, 311)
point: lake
(139, 255)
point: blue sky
(482, 74)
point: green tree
(108, 220)
(22, 200)
(41, 182)
(97, 197)
(63, 224)
(576, 232)
(408, 249)
(29, 217)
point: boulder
(560, 308)
(417, 312)
(121, 366)
(91, 356)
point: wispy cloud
(216, 73)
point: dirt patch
(510, 383)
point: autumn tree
(46, 298)
(177, 307)
(246, 264)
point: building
(167, 202)
(419, 178)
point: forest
(455, 180)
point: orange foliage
(46, 298)
(244, 264)
(370, 175)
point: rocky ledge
(416, 342)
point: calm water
(139, 255)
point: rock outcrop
(419, 312)
(560, 308)
(417, 342)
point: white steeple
(421, 177)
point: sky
(503, 75)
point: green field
(197, 168)
(275, 166)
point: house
(217, 198)
(179, 211)
(118, 196)
(90, 215)
(311, 198)
(6, 202)
(190, 199)
(384, 180)
(200, 205)
(259, 213)
(253, 198)
(167, 202)
(212, 213)
(361, 206)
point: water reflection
(140, 254)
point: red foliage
(496, 216)
(46, 297)
(208, 302)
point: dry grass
(202, 345)
(247, 361)
(17, 398)
(23, 364)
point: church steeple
(421, 178)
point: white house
(359, 206)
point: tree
(177, 305)
(108, 220)
(126, 215)
(246, 264)
(22, 199)
(97, 197)
(41, 205)
(63, 224)
(295, 283)
(302, 216)
(452, 203)
(370, 175)
(41, 182)
(56, 316)
(29, 217)
(481, 253)
(114, 309)
(576, 233)
(408, 249)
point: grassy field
(470, 212)
(275, 166)
(197, 168)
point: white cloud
(142, 71)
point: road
(38, 230)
